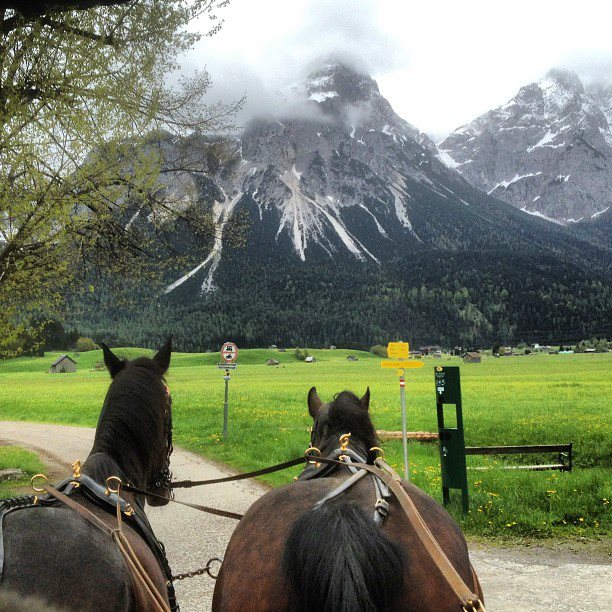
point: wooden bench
(564, 463)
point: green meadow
(15, 457)
(535, 399)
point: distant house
(427, 350)
(589, 350)
(63, 364)
(352, 358)
(471, 357)
(310, 359)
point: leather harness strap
(468, 599)
(143, 584)
(470, 602)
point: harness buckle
(382, 507)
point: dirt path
(530, 579)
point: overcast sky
(440, 63)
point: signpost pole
(226, 378)
(399, 354)
(229, 353)
(402, 382)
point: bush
(85, 344)
(301, 354)
(380, 350)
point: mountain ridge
(547, 151)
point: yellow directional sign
(404, 365)
(398, 350)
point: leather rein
(470, 602)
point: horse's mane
(347, 414)
(128, 430)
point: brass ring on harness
(312, 451)
(35, 488)
(380, 450)
(110, 479)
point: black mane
(130, 429)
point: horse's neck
(101, 465)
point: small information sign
(405, 365)
(227, 366)
(398, 350)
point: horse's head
(138, 409)
(345, 414)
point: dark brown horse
(310, 546)
(53, 553)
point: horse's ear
(314, 402)
(113, 364)
(162, 359)
(365, 400)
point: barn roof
(61, 358)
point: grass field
(15, 457)
(535, 399)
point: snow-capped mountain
(341, 175)
(358, 233)
(548, 150)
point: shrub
(380, 350)
(85, 344)
(301, 354)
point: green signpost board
(452, 439)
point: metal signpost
(400, 351)
(452, 439)
(229, 353)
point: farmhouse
(471, 357)
(63, 364)
(427, 350)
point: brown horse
(312, 546)
(57, 555)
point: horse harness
(108, 500)
(387, 481)
(349, 457)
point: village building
(430, 350)
(63, 364)
(471, 357)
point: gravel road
(516, 578)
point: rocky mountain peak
(546, 151)
(339, 80)
(564, 78)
